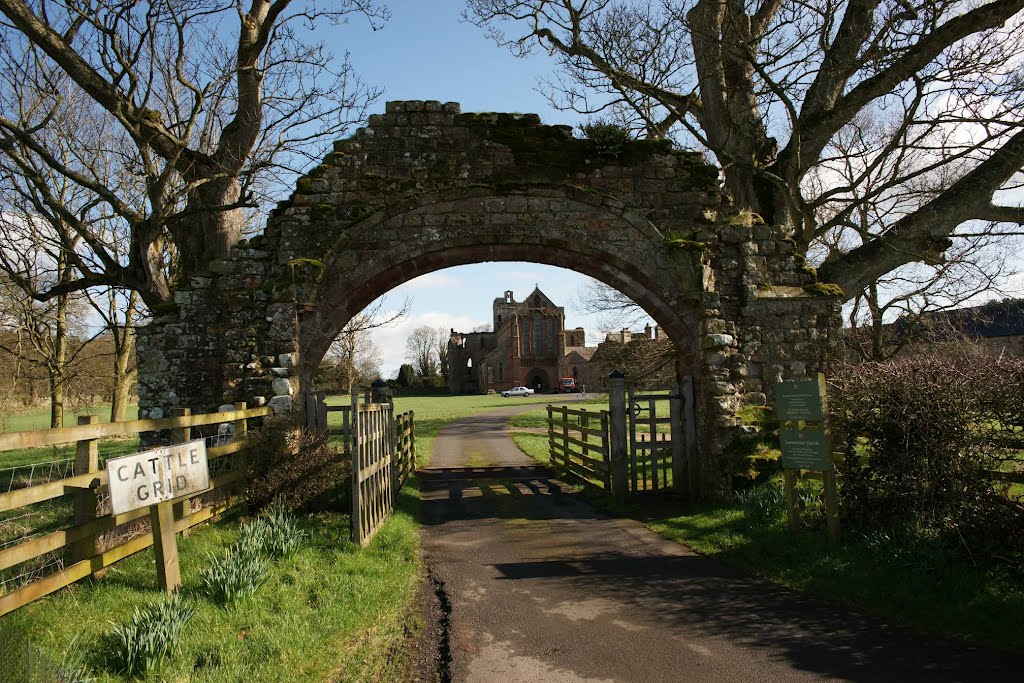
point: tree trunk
(58, 363)
(121, 396)
(56, 401)
(207, 229)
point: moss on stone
(691, 245)
(823, 289)
(323, 212)
(552, 154)
(304, 185)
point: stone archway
(538, 380)
(425, 187)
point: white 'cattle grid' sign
(150, 477)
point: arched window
(526, 337)
(537, 335)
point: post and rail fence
(578, 443)
(80, 535)
(635, 446)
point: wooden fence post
(617, 427)
(565, 432)
(241, 425)
(676, 429)
(412, 441)
(165, 546)
(181, 435)
(551, 434)
(87, 459)
(357, 464)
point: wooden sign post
(806, 444)
(157, 478)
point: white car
(517, 391)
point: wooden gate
(653, 438)
(656, 442)
(382, 448)
(383, 457)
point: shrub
(293, 466)
(152, 634)
(609, 138)
(921, 433)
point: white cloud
(430, 281)
(391, 340)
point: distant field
(434, 412)
(21, 421)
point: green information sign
(800, 400)
(804, 449)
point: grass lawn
(25, 420)
(910, 578)
(336, 612)
(40, 419)
(538, 417)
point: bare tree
(766, 86)
(614, 309)
(353, 356)
(119, 312)
(211, 104)
(421, 348)
(42, 334)
(443, 337)
(976, 263)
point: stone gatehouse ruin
(425, 187)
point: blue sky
(425, 52)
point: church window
(526, 337)
(537, 333)
(551, 336)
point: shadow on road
(690, 594)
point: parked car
(568, 385)
(517, 391)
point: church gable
(538, 299)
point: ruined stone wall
(425, 187)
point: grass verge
(335, 612)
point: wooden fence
(87, 542)
(578, 443)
